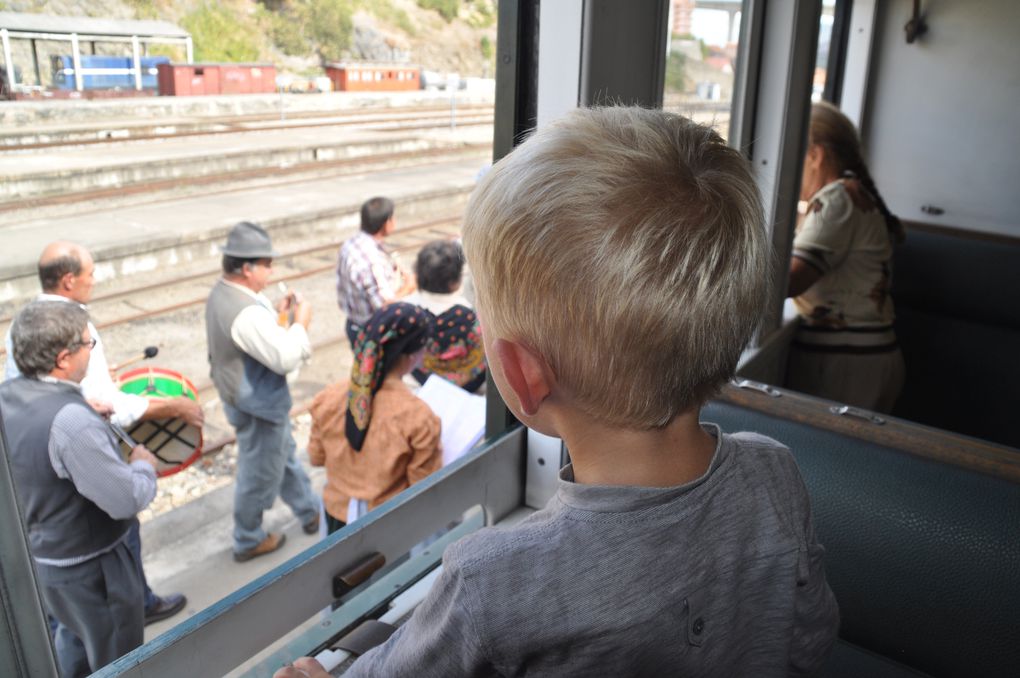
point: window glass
(824, 47)
(701, 60)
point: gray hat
(249, 241)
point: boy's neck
(672, 455)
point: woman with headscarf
(454, 351)
(372, 434)
(841, 274)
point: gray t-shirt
(718, 577)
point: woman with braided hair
(841, 274)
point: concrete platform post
(135, 54)
(189, 48)
(79, 81)
(7, 57)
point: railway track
(309, 263)
(167, 312)
(268, 177)
(420, 118)
(307, 260)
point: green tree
(329, 26)
(675, 72)
(448, 9)
(220, 35)
(486, 46)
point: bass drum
(176, 444)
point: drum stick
(149, 352)
(124, 436)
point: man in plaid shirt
(368, 278)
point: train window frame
(769, 119)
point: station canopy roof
(45, 23)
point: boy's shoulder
(501, 549)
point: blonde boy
(620, 261)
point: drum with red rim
(175, 443)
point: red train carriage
(373, 77)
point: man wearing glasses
(250, 355)
(66, 274)
(78, 496)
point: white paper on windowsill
(462, 415)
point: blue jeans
(266, 467)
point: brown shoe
(312, 526)
(273, 541)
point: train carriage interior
(918, 509)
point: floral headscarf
(391, 332)
(454, 351)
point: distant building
(683, 11)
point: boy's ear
(526, 374)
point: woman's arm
(802, 276)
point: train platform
(156, 231)
(171, 233)
(25, 175)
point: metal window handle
(847, 411)
(770, 391)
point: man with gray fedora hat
(250, 355)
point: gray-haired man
(66, 273)
(78, 496)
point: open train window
(701, 61)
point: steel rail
(238, 127)
(340, 167)
(145, 315)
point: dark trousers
(74, 650)
(98, 605)
(134, 539)
(333, 524)
(352, 333)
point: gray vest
(61, 522)
(243, 382)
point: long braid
(892, 222)
(833, 131)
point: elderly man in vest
(66, 274)
(78, 496)
(250, 355)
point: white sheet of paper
(462, 415)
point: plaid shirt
(366, 278)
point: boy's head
(375, 214)
(625, 247)
(439, 267)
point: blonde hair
(627, 247)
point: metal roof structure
(75, 29)
(88, 26)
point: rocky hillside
(300, 35)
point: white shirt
(256, 331)
(437, 304)
(97, 384)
